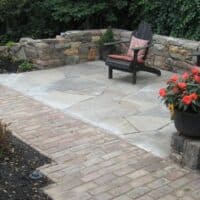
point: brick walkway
(90, 164)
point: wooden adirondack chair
(133, 61)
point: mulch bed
(16, 164)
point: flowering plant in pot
(182, 97)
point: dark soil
(16, 164)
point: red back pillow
(136, 42)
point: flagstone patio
(130, 111)
(89, 126)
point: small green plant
(25, 66)
(108, 36)
(10, 44)
(105, 50)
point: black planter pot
(6, 64)
(104, 51)
(188, 124)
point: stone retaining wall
(70, 47)
(74, 47)
(167, 53)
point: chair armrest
(113, 43)
(137, 49)
(196, 53)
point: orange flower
(182, 85)
(162, 92)
(195, 70)
(187, 99)
(194, 96)
(197, 78)
(185, 76)
(174, 78)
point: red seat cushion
(126, 58)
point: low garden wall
(70, 47)
(74, 47)
(167, 53)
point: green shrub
(10, 44)
(108, 36)
(25, 66)
(105, 50)
(25, 18)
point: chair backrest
(144, 31)
(140, 37)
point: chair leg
(110, 72)
(134, 76)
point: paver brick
(84, 187)
(119, 190)
(90, 177)
(142, 181)
(89, 163)
(103, 196)
(160, 192)
(123, 171)
(138, 192)
(145, 197)
(100, 189)
(123, 197)
(169, 197)
(105, 179)
(138, 173)
(158, 183)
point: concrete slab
(148, 123)
(117, 105)
(152, 141)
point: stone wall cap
(174, 39)
(26, 39)
(70, 32)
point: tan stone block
(159, 61)
(95, 38)
(184, 52)
(92, 54)
(58, 37)
(71, 51)
(48, 63)
(62, 45)
(75, 44)
(178, 52)
(173, 49)
(41, 45)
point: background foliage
(46, 18)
